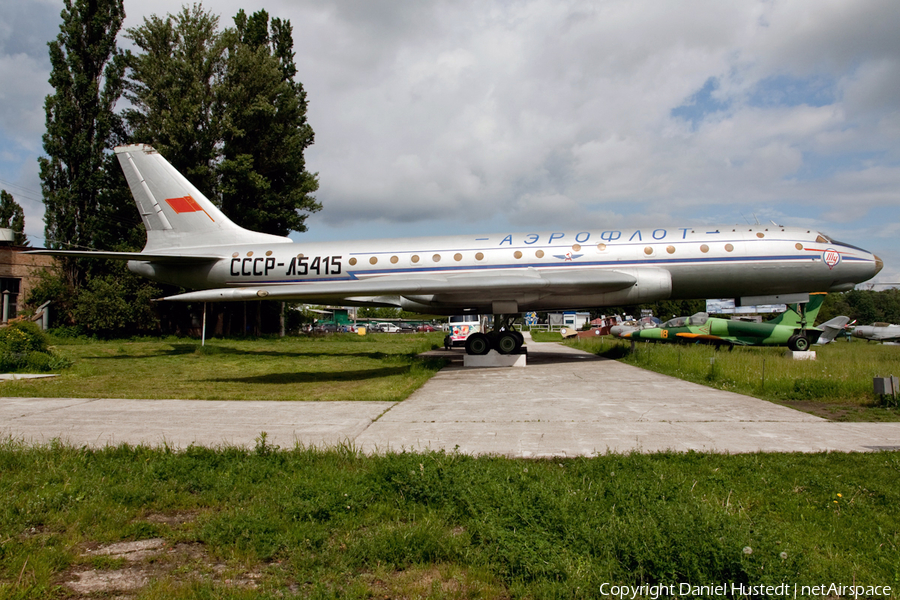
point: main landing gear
(502, 338)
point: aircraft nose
(879, 264)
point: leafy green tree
(12, 217)
(116, 304)
(172, 86)
(264, 182)
(87, 72)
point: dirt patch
(832, 412)
(421, 582)
(123, 568)
(174, 520)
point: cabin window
(394, 260)
(670, 249)
(457, 257)
(373, 260)
(760, 235)
(648, 250)
(539, 254)
(601, 247)
(436, 258)
(415, 258)
(517, 254)
(268, 253)
(576, 247)
(704, 248)
(479, 256)
(729, 248)
(352, 261)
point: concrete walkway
(564, 403)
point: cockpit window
(699, 318)
(825, 239)
(677, 322)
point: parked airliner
(191, 243)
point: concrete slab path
(564, 403)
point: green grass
(333, 367)
(333, 524)
(837, 385)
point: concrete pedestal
(808, 355)
(494, 359)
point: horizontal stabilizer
(179, 259)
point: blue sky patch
(701, 104)
(783, 90)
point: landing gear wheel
(519, 337)
(798, 343)
(508, 343)
(478, 344)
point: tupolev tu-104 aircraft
(191, 243)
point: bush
(22, 337)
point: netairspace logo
(740, 590)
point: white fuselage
(679, 262)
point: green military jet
(793, 329)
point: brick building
(18, 271)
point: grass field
(837, 385)
(269, 523)
(334, 367)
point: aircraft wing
(527, 281)
(180, 259)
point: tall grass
(840, 378)
(334, 524)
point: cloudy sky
(463, 116)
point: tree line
(222, 104)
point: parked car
(426, 328)
(406, 328)
(388, 328)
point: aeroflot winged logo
(186, 204)
(831, 257)
(567, 256)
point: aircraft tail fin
(174, 212)
(792, 317)
(831, 329)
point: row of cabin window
(539, 254)
(518, 254)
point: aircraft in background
(191, 243)
(878, 332)
(793, 328)
(831, 329)
(644, 323)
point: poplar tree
(264, 182)
(172, 89)
(87, 72)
